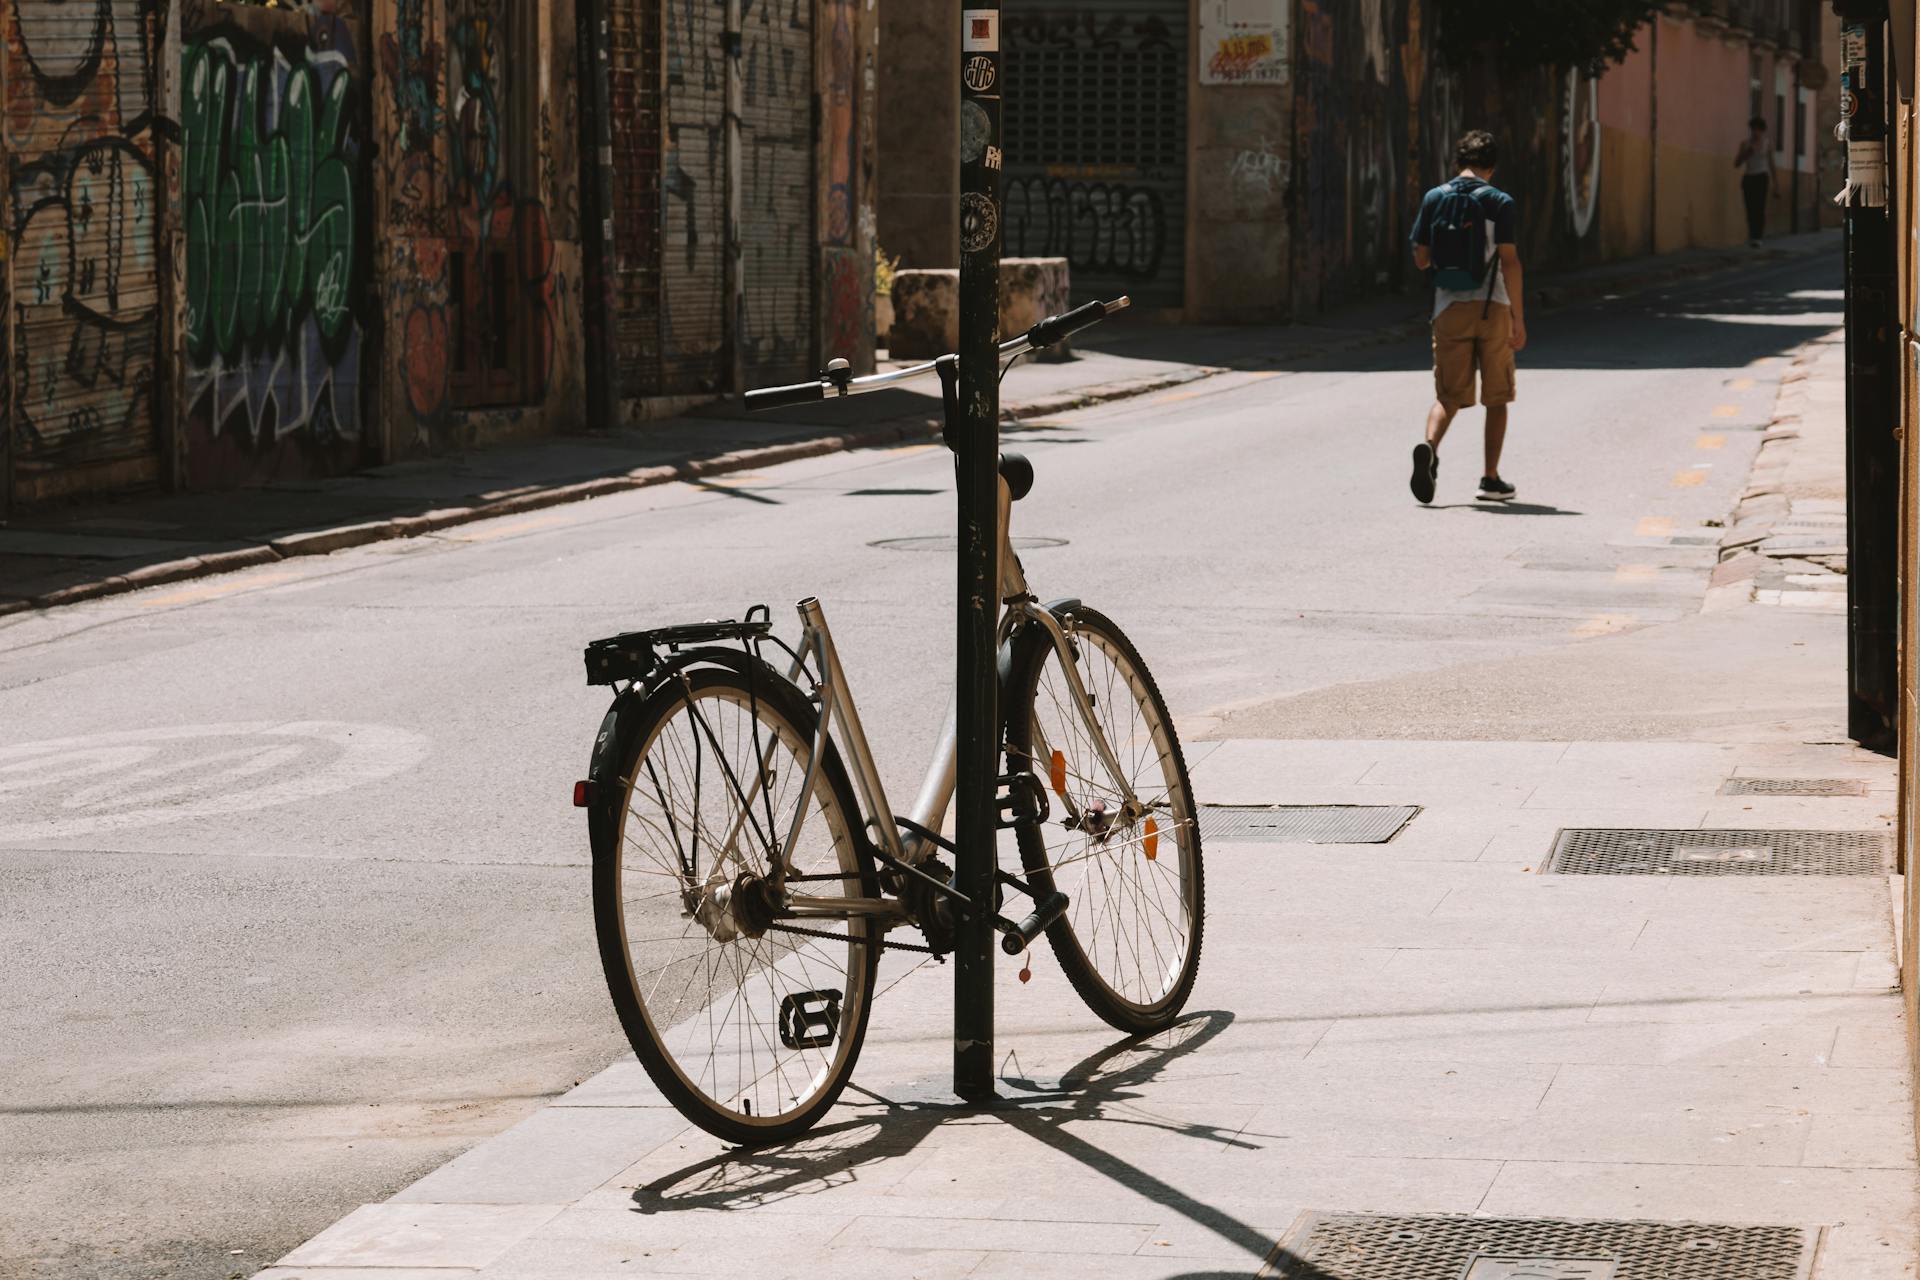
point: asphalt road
(293, 903)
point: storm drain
(1612, 851)
(1305, 823)
(1793, 787)
(1378, 1247)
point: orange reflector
(1058, 774)
(582, 794)
(1152, 842)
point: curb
(344, 537)
(1761, 504)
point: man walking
(1464, 236)
(1755, 162)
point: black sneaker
(1426, 470)
(1494, 489)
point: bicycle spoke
(718, 782)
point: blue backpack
(1458, 238)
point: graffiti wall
(273, 122)
(477, 217)
(78, 389)
(1096, 143)
(846, 184)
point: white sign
(1244, 41)
(980, 30)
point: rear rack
(632, 655)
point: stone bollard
(926, 305)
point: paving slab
(1369, 1034)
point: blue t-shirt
(1502, 217)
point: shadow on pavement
(1504, 508)
(1094, 1089)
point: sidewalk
(1704, 1072)
(63, 554)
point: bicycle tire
(648, 1014)
(1074, 938)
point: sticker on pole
(979, 222)
(980, 32)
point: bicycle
(745, 880)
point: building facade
(250, 243)
(1260, 161)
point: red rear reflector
(582, 794)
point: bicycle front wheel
(1130, 940)
(749, 1025)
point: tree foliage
(1522, 34)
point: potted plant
(883, 269)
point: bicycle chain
(883, 944)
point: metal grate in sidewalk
(1305, 823)
(1444, 1247)
(1616, 851)
(1793, 787)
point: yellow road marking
(726, 481)
(1636, 573)
(510, 528)
(1692, 478)
(1725, 410)
(1603, 624)
(1710, 442)
(1653, 527)
(217, 588)
(906, 449)
(1740, 384)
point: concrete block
(926, 305)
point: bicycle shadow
(1098, 1087)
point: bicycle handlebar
(837, 381)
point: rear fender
(613, 745)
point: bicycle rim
(1130, 941)
(751, 1037)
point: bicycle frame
(929, 812)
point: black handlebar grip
(781, 397)
(1054, 328)
(1045, 912)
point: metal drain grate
(1793, 787)
(1378, 1247)
(1305, 823)
(1608, 851)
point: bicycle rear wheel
(748, 1026)
(1130, 940)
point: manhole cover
(1793, 787)
(1379, 1247)
(1305, 823)
(952, 544)
(1611, 851)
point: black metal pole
(976, 463)
(1873, 380)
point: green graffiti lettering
(270, 199)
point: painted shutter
(695, 185)
(1096, 129)
(777, 202)
(83, 240)
(634, 31)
